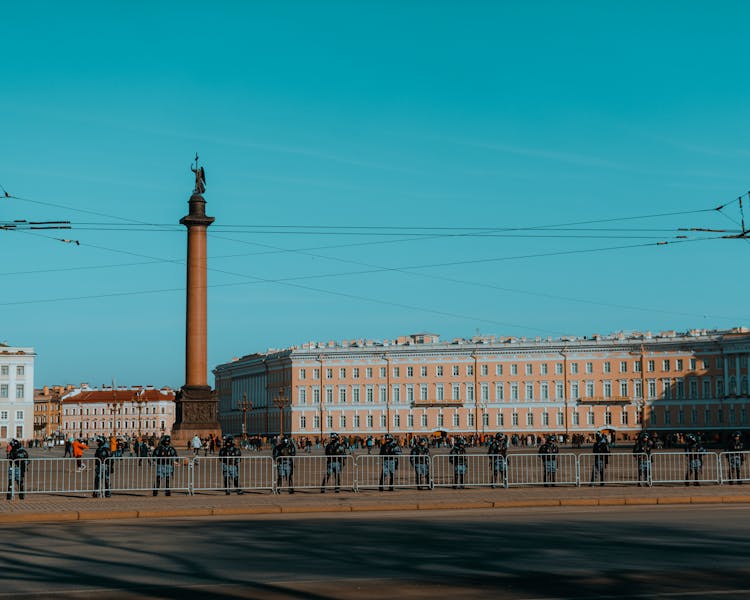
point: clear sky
(375, 169)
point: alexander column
(196, 403)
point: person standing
(498, 452)
(230, 464)
(369, 443)
(420, 460)
(694, 454)
(102, 468)
(197, 444)
(601, 458)
(78, 447)
(165, 457)
(335, 452)
(389, 451)
(642, 452)
(457, 458)
(283, 454)
(548, 452)
(735, 457)
(19, 457)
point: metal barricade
(141, 474)
(243, 473)
(56, 475)
(6, 469)
(614, 468)
(401, 471)
(470, 470)
(314, 472)
(542, 469)
(684, 467)
(733, 467)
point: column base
(196, 413)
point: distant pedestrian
(102, 468)
(78, 447)
(601, 458)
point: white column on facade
(737, 376)
(726, 374)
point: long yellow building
(419, 385)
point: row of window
(468, 420)
(4, 415)
(528, 368)
(105, 411)
(5, 370)
(20, 391)
(86, 425)
(531, 391)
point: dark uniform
(101, 468)
(601, 458)
(548, 452)
(694, 455)
(457, 457)
(498, 452)
(282, 454)
(335, 452)
(229, 454)
(420, 460)
(642, 452)
(735, 458)
(17, 468)
(165, 457)
(390, 451)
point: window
(355, 372)
(455, 420)
(19, 371)
(424, 420)
(590, 417)
(607, 367)
(707, 416)
(705, 364)
(382, 372)
(381, 394)
(357, 423)
(456, 370)
(515, 419)
(440, 420)
(560, 418)
(368, 372)
(301, 394)
(574, 368)
(529, 369)
(706, 388)
(651, 388)
(470, 369)
(355, 394)
(19, 390)
(499, 420)
(576, 418)
(651, 366)
(369, 421)
(529, 391)
(410, 371)
(342, 373)
(369, 394)
(530, 419)
(558, 368)
(545, 419)
(396, 394)
(665, 365)
(4, 390)
(544, 391)
(316, 395)
(316, 373)
(514, 369)
(637, 366)
(559, 391)
(329, 421)
(485, 420)
(423, 393)
(719, 388)
(543, 368)
(471, 420)
(410, 394)
(693, 387)
(693, 364)
(589, 389)
(484, 369)
(329, 394)
(410, 421)
(499, 391)
(302, 373)
(624, 417)
(678, 364)
(607, 389)
(623, 366)
(439, 371)
(4, 370)
(423, 371)
(498, 369)
(342, 395)
(623, 389)
(608, 417)
(439, 392)
(342, 421)
(303, 422)
(470, 392)
(514, 391)
(589, 367)
(485, 392)
(19, 415)
(396, 372)
(575, 393)
(329, 373)
(455, 392)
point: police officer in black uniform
(282, 454)
(389, 450)
(642, 452)
(420, 461)
(457, 457)
(601, 458)
(694, 454)
(17, 468)
(498, 452)
(335, 452)
(735, 457)
(229, 454)
(548, 452)
(101, 467)
(165, 457)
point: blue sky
(441, 124)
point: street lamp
(140, 402)
(114, 410)
(244, 406)
(280, 401)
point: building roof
(83, 395)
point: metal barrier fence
(733, 467)
(315, 472)
(470, 470)
(683, 467)
(133, 474)
(615, 468)
(233, 474)
(543, 469)
(403, 471)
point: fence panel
(141, 474)
(534, 469)
(733, 467)
(470, 470)
(250, 473)
(315, 472)
(683, 467)
(6, 468)
(58, 475)
(374, 472)
(615, 468)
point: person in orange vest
(78, 448)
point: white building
(16, 392)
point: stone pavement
(71, 507)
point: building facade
(418, 385)
(16, 392)
(121, 411)
(47, 411)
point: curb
(275, 509)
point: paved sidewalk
(72, 507)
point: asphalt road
(578, 553)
